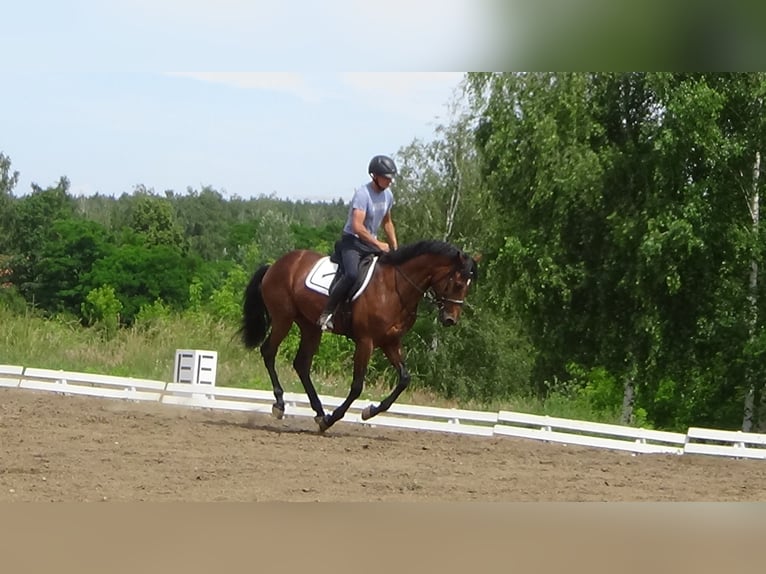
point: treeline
(617, 216)
(104, 259)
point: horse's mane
(430, 247)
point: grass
(148, 351)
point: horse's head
(449, 289)
(438, 270)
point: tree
(153, 218)
(440, 193)
(8, 181)
(66, 255)
(205, 221)
(33, 218)
(754, 386)
(273, 235)
(534, 136)
(627, 241)
(142, 274)
(102, 308)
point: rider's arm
(388, 227)
(357, 226)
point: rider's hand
(384, 247)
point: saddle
(325, 273)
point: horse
(277, 296)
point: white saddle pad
(323, 272)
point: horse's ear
(470, 264)
(475, 264)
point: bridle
(430, 294)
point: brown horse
(277, 297)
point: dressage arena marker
(699, 441)
(195, 367)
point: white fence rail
(725, 443)
(601, 435)
(10, 375)
(479, 423)
(90, 384)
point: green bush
(101, 308)
(11, 300)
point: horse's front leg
(394, 354)
(362, 356)
(310, 338)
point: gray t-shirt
(375, 206)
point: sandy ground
(67, 448)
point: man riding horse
(370, 207)
(278, 296)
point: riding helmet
(382, 165)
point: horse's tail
(255, 316)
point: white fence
(478, 423)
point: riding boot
(336, 295)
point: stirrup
(325, 322)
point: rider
(370, 206)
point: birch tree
(753, 385)
(626, 241)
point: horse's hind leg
(279, 330)
(310, 339)
(394, 355)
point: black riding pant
(352, 249)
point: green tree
(141, 274)
(628, 242)
(226, 301)
(154, 219)
(102, 308)
(8, 181)
(33, 219)
(67, 253)
(440, 193)
(320, 238)
(273, 235)
(205, 221)
(534, 137)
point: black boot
(336, 295)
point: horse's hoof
(321, 421)
(277, 412)
(367, 413)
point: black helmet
(382, 165)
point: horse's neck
(418, 273)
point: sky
(300, 136)
(123, 93)
(105, 93)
